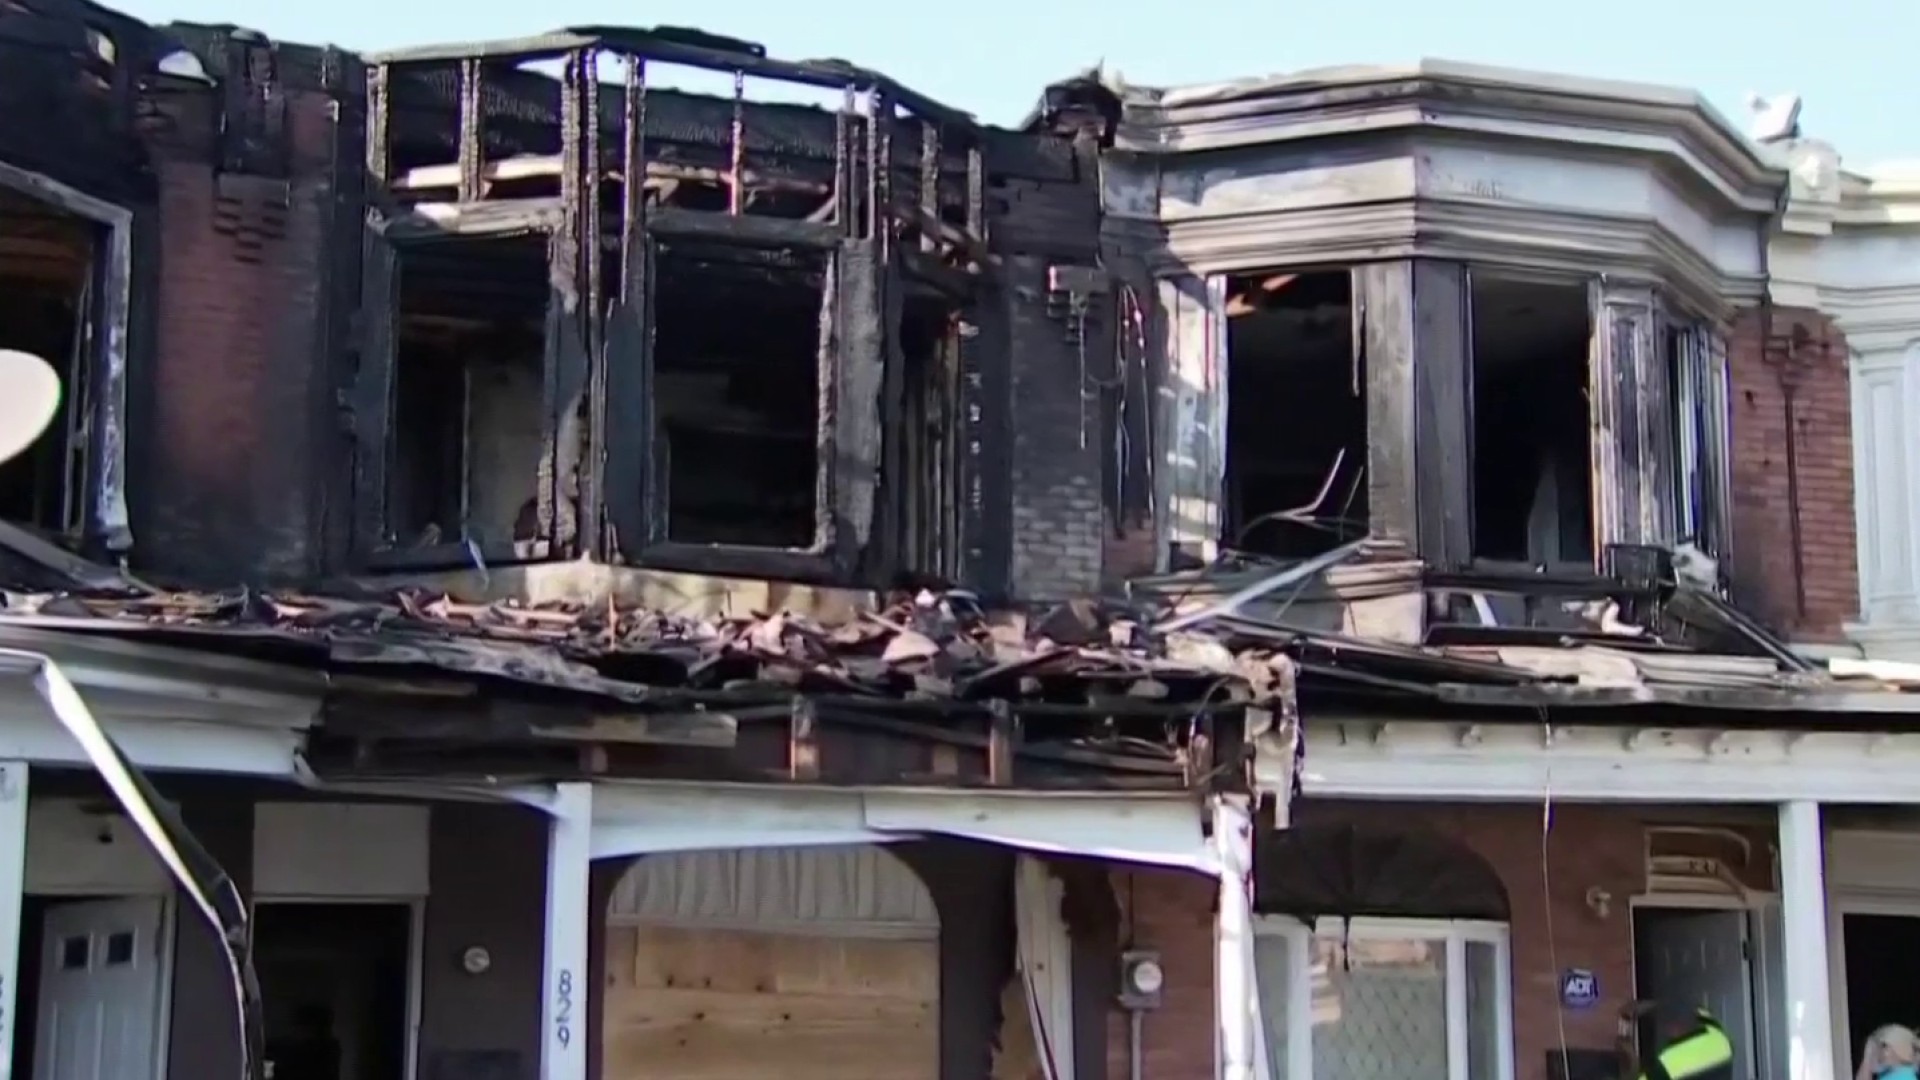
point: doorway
(1879, 974)
(336, 982)
(1699, 957)
(99, 971)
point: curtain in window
(1374, 1001)
(1379, 1009)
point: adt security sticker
(1579, 989)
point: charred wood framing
(1413, 320)
(795, 738)
(880, 204)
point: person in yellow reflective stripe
(1693, 1046)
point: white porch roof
(166, 708)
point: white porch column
(1803, 901)
(565, 1004)
(13, 882)
(1235, 1000)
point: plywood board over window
(800, 963)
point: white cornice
(1848, 244)
(1674, 125)
(1551, 240)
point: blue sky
(1852, 60)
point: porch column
(13, 882)
(12, 886)
(564, 1005)
(1236, 1003)
(1803, 903)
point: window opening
(1532, 475)
(120, 948)
(47, 265)
(737, 373)
(1360, 999)
(1296, 415)
(75, 952)
(469, 392)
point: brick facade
(1057, 356)
(1808, 358)
(229, 488)
(1587, 847)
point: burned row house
(546, 570)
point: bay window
(1385, 999)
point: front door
(100, 991)
(1699, 958)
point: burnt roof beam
(646, 45)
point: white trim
(14, 778)
(169, 953)
(1810, 1045)
(160, 745)
(636, 817)
(168, 709)
(1455, 933)
(1753, 901)
(1451, 761)
(566, 996)
(416, 953)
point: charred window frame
(900, 231)
(1653, 399)
(902, 217)
(399, 230)
(91, 480)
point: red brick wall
(1587, 847)
(1763, 570)
(1172, 911)
(231, 397)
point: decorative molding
(1420, 760)
(1447, 161)
(1678, 126)
(1848, 245)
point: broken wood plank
(1442, 388)
(1002, 740)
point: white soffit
(1529, 762)
(636, 818)
(1156, 830)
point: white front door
(1699, 958)
(100, 991)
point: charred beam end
(758, 231)
(641, 44)
(803, 743)
(1003, 737)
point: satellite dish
(29, 400)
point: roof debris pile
(920, 646)
(1365, 619)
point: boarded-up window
(801, 963)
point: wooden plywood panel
(691, 1004)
